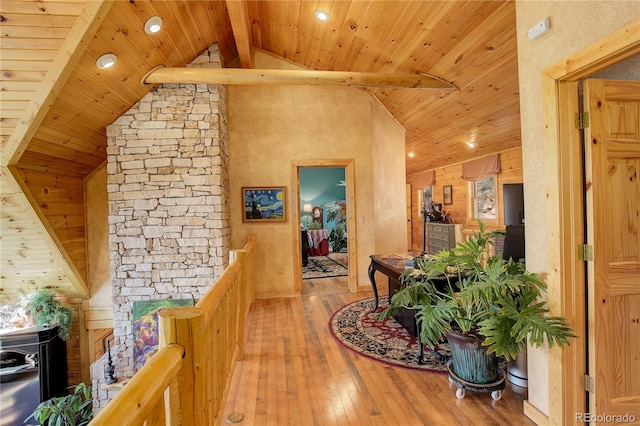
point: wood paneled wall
(97, 342)
(60, 196)
(74, 367)
(510, 172)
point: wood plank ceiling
(55, 104)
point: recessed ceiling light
(411, 154)
(106, 61)
(322, 15)
(471, 144)
(153, 25)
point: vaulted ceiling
(55, 103)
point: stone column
(168, 199)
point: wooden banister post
(158, 413)
(143, 394)
(240, 256)
(252, 241)
(183, 325)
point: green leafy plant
(75, 409)
(335, 211)
(337, 239)
(332, 209)
(483, 295)
(47, 310)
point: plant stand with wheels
(494, 388)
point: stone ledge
(115, 386)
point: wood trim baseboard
(536, 416)
(275, 294)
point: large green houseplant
(337, 237)
(49, 311)
(75, 409)
(466, 291)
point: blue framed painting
(264, 204)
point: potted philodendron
(486, 307)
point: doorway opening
(324, 229)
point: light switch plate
(539, 29)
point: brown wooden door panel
(612, 167)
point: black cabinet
(305, 247)
(47, 349)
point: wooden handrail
(216, 294)
(187, 381)
(144, 389)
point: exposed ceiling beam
(63, 65)
(240, 25)
(295, 77)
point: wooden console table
(393, 268)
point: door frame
(566, 215)
(352, 255)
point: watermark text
(605, 418)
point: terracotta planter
(470, 360)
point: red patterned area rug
(359, 329)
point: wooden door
(612, 167)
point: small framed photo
(447, 194)
(264, 204)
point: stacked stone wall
(168, 190)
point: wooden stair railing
(187, 381)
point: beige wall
(574, 26)
(271, 128)
(389, 179)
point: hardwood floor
(325, 286)
(295, 373)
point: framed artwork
(145, 327)
(316, 215)
(264, 204)
(447, 194)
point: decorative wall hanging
(264, 204)
(447, 194)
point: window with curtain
(484, 198)
(483, 189)
(424, 180)
(425, 197)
